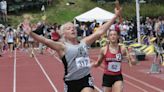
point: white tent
(98, 14)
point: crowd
(15, 37)
(150, 27)
(69, 38)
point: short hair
(62, 28)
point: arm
(52, 44)
(129, 55)
(58, 46)
(101, 30)
(132, 56)
(100, 59)
(118, 7)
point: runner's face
(70, 31)
(113, 36)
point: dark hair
(10, 29)
(118, 33)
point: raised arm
(58, 46)
(102, 29)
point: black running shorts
(78, 85)
(109, 80)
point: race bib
(118, 57)
(82, 62)
(114, 66)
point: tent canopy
(98, 14)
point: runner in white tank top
(10, 41)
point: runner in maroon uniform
(112, 54)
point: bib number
(114, 66)
(82, 62)
(118, 57)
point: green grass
(61, 13)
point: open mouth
(73, 33)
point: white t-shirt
(3, 5)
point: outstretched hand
(118, 11)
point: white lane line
(14, 75)
(144, 83)
(128, 82)
(48, 78)
(57, 58)
(99, 90)
(54, 55)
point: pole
(138, 21)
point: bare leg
(87, 89)
(107, 89)
(118, 86)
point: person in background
(3, 8)
(10, 40)
(1, 41)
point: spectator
(1, 41)
(55, 35)
(3, 8)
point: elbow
(98, 64)
(95, 65)
(100, 31)
(133, 62)
(99, 34)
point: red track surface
(44, 73)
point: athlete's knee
(107, 89)
(118, 86)
(87, 89)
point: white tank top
(10, 37)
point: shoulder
(103, 50)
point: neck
(72, 41)
(114, 45)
